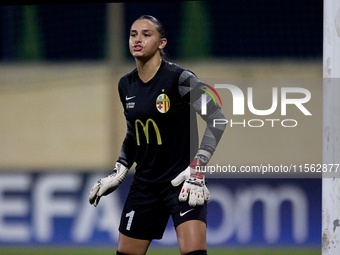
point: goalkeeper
(160, 101)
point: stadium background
(61, 119)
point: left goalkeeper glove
(194, 182)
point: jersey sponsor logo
(146, 131)
(163, 103)
(130, 105)
(181, 214)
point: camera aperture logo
(204, 98)
(239, 105)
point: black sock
(119, 253)
(198, 252)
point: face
(145, 41)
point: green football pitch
(153, 251)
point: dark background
(221, 29)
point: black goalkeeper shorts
(148, 207)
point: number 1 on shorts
(130, 215)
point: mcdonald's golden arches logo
(146, 131)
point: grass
(153, 251)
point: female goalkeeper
(160, 101)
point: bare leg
(132, 246)
(191, 236)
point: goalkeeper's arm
(194, 181)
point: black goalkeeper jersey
(162, 135)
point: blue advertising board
(44, 208)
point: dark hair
(159, 27)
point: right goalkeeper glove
(108, 184)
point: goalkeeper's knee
(198, 252)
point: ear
(162, 43)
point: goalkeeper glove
(108, 184)
(194, 182)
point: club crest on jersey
(163, 103)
